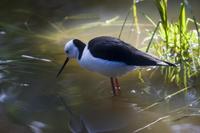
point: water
(31, 53)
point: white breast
(105, 67)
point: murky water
(32, 99)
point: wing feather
(113, 49)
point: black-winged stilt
(109, 56)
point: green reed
(177, 43)
(135, 17)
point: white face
(71, 50)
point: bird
(110, 57)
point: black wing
(113, 49)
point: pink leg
(117, 86)
(113, 86)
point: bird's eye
(67, 51)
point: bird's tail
(165, 63)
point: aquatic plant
(176, 42)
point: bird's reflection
(113, 116)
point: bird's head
(70, 49)
(73, 49)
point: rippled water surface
(32, 99)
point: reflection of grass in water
(57, 31)
(177, 43)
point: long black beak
(61, 69)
